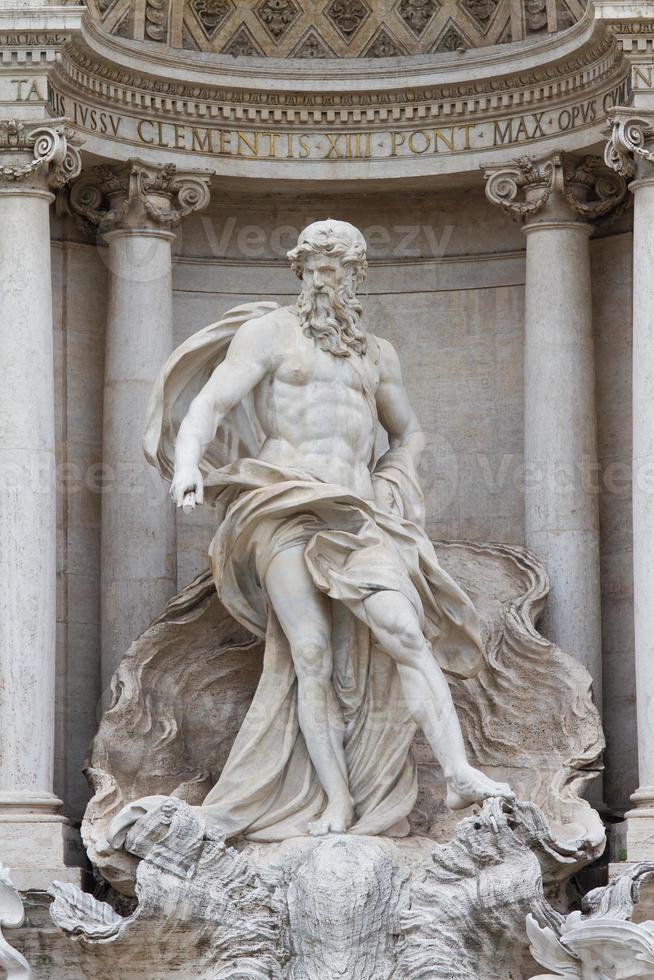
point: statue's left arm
(395, 411)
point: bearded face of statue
(328, 308)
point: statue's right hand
(187, 481)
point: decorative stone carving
(600, 941)
(312, 45)
(347, 16)
(589, 189)
(156, 20)
(12, 916)
(271, 35)
(383, 46)
(53, 150)
(451, 39)
(466, 913)
(138, 194)
(481, 10)
(212, 14)
(417, 14)
(630, 148)
(277, 16)
(243, 44)
(193, 674)
(342, 906)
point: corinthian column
(135, 207)
(630, 152)
(34, 160)
(557, 201)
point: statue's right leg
(304, 616)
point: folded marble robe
(268, 789)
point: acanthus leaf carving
(630, 137)
(53, 149)
(587, 187)
(138, 193)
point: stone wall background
(446, 286)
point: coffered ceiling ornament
(138, 194)
(243, 44)
(211, 14)
(482, 11)
(417, 14)
(347, 16)
(31, 150)
(383, 45)
(451, 39)
(277, 16)
(630, 149)
(312, 45)
(345, 28)
(586, 187)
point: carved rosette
(630, 148)
(573, 188)
(35, 152)
(138, 195)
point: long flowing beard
(333, 318)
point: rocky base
(317, 909)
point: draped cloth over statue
(268, 789)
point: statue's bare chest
(306, 365)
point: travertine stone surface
(557, 199)
(630, 151)
(135, 208)
(35, 159)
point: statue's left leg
(396, 628)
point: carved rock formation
(326, 908)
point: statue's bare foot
(337, 817)
(468, 786)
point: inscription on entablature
(321, 145)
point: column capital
(138, 196)
(561, 189)
(630, 147)
(38, 156)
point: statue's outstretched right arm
(248, 360)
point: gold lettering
(426, 141)
(201, 143)
(305, 149)
(251, 144)
(333, 151)
(397, 140)
(448, 140)
(180, 136)
(139, 130)
(642, 73)
(225, 141)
